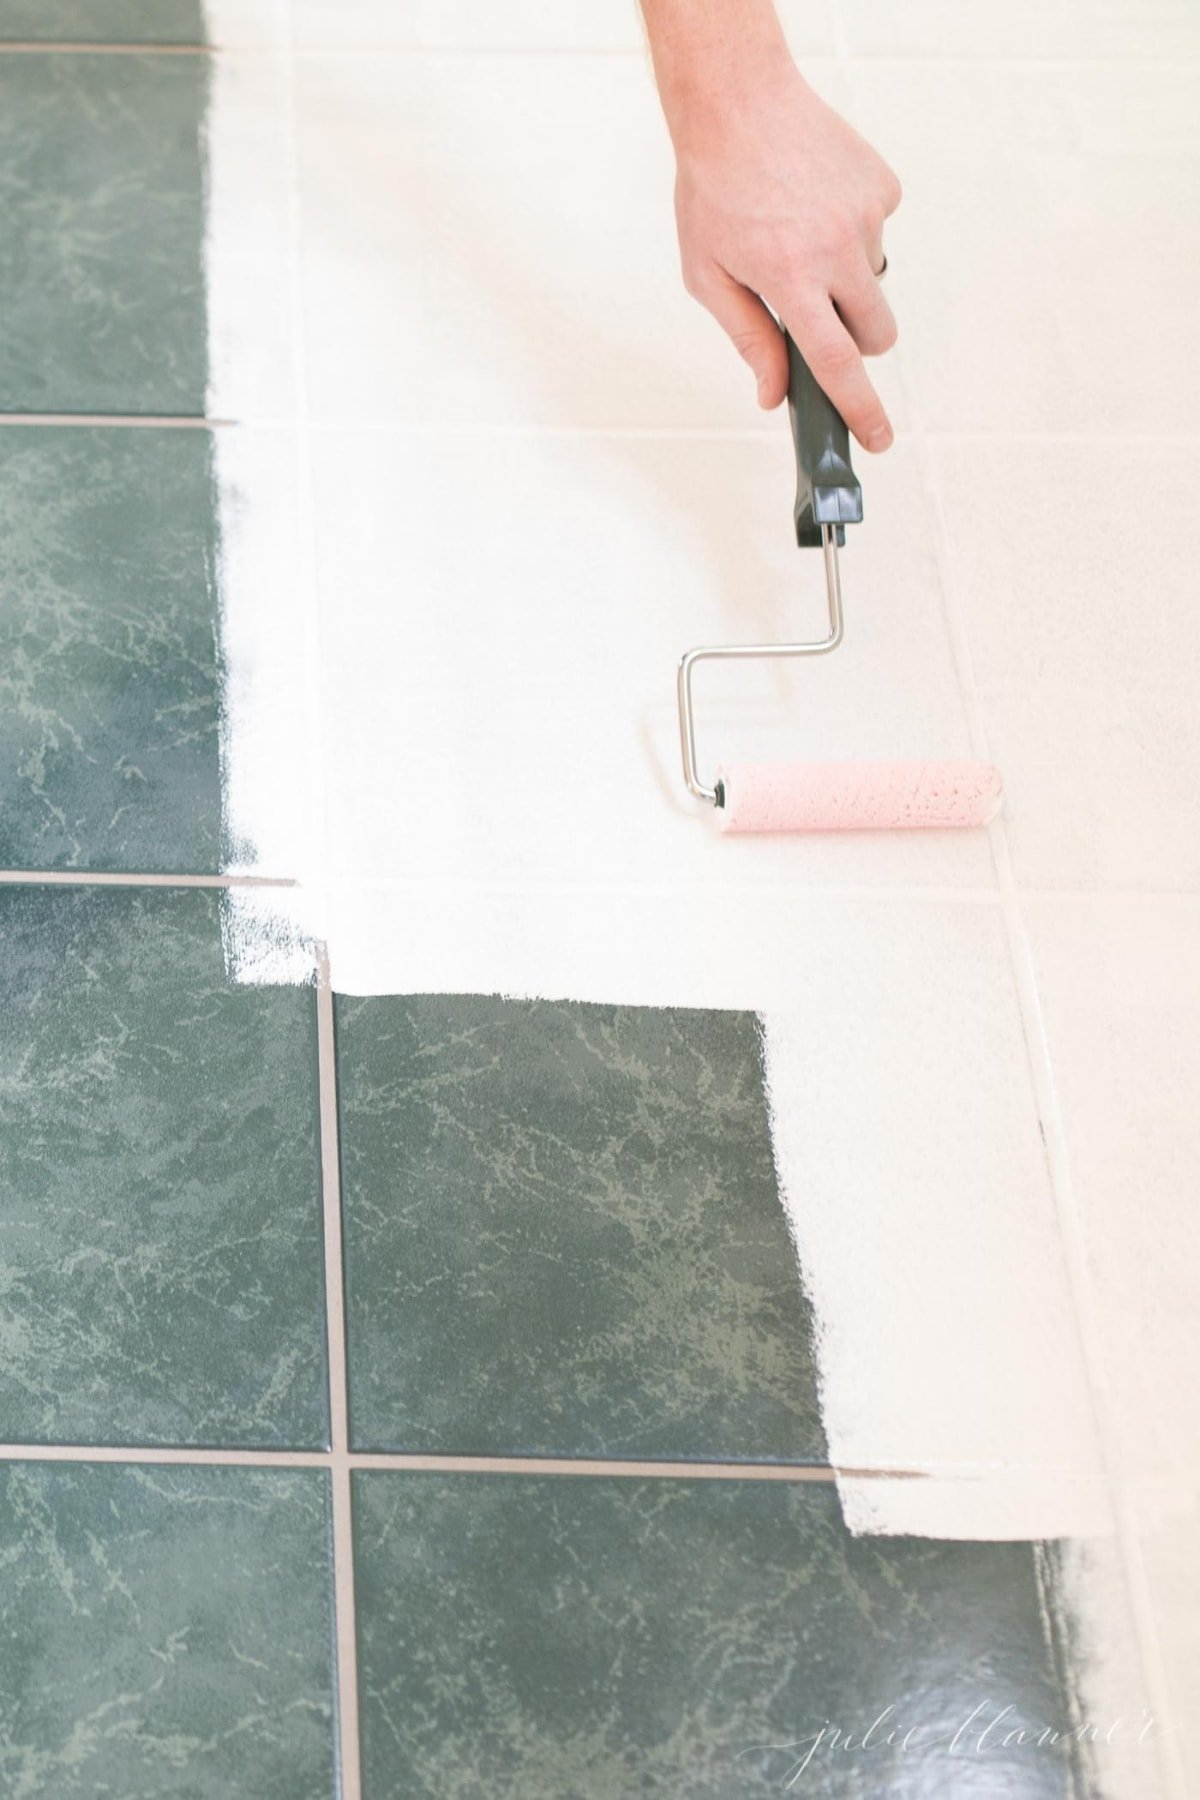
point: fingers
(833, 356)
(864, 309)
(752, 330)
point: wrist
(713, 64)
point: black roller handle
(827, 489)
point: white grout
(1065, 61)
(851, 892)
(766, 432)
(1088, 1318)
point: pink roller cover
(859, 796)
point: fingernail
(880, 438)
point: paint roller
(835, 796)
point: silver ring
(880, 273)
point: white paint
(533, 25)
(915, 1182)
(270, 936)
(247, 268)
(528, 475)
(245, 24)
(269, 763)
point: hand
(778, 200)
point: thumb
(752, 331)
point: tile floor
(415, 1395)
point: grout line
(419, 1463)
(131, 421)
(594, 1466)
(350, 1780)
(80, 47)
(1066, 62)
(1087, 1319)
(69, 878)
(1072, 1226)
(765, 433)
(317, 796)
(532, 889)
(798, 891)
(202, 1456)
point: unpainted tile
(563, 1234)
(160, 1211)
(567, 1639)
(167, 1633)
(101, 260)
(109, 654)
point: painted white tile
(248, 246)
(1027, 28)
(1120, 986)
(491, 239)
(606, 25)
(910, 1156)
(501, 620)
(245, 24)
(1047, 253)
(1076, 565)
(467, 25)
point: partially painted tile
(101, 256)
(109, 677)
(103, 21)
(568, 1638)
(160, 1212)
(167, 1633)
(912, 1160)
(564, 1234)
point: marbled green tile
(167, 1634)
(591, 1638)
(564, 1235)
(109, 681)
(160, 1226)
(102, 21)
(101, 233)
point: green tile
(167, 1634)
(101, 239)
(109, 680)
(564, 1235)
(589, 1639)
(160, 1227)
(102, 21)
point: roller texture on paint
(858, 796)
